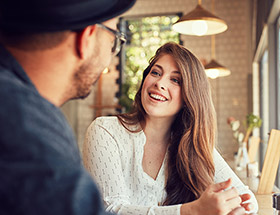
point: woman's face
(161, 92)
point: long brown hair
(190, 162)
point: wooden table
(265, 204)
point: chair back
(270, 165)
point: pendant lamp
(199, 22)
(213, 69)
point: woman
(160, 158)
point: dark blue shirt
(40, 167)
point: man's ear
(84, 40)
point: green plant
(124, 100)
(252, 122)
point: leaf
(253, 121)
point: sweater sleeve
(224, 172)
(102, 158)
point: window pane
(145, 36)
(264, 99)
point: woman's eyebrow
(161, 68)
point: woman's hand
(216, 200)
(244, 206)
(247, 206)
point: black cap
(58, 15)
(274, 196)
(276, 201)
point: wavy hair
(190, 161)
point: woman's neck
(158, 130)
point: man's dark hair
(32, 41)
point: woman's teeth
(158, 97)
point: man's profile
(51, 51)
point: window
(269, 76)
(145, 36)
(264, 103)
(277, 181)
(278, 70)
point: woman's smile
(157, 97)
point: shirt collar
(10, 63)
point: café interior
(241, 56)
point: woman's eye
(155, 73)
(175, 80)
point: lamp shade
(214, 70)
(200, 22)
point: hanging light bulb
(214, 70)
(215, 25)
(199, 27)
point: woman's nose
(160, 84)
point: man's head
(33, 26)
(104, 47)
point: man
(51, 51)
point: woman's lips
(157, 97)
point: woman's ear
(84, 40)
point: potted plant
(252, 122)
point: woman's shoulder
(106, 120)
(110, 123)
(114, 127)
